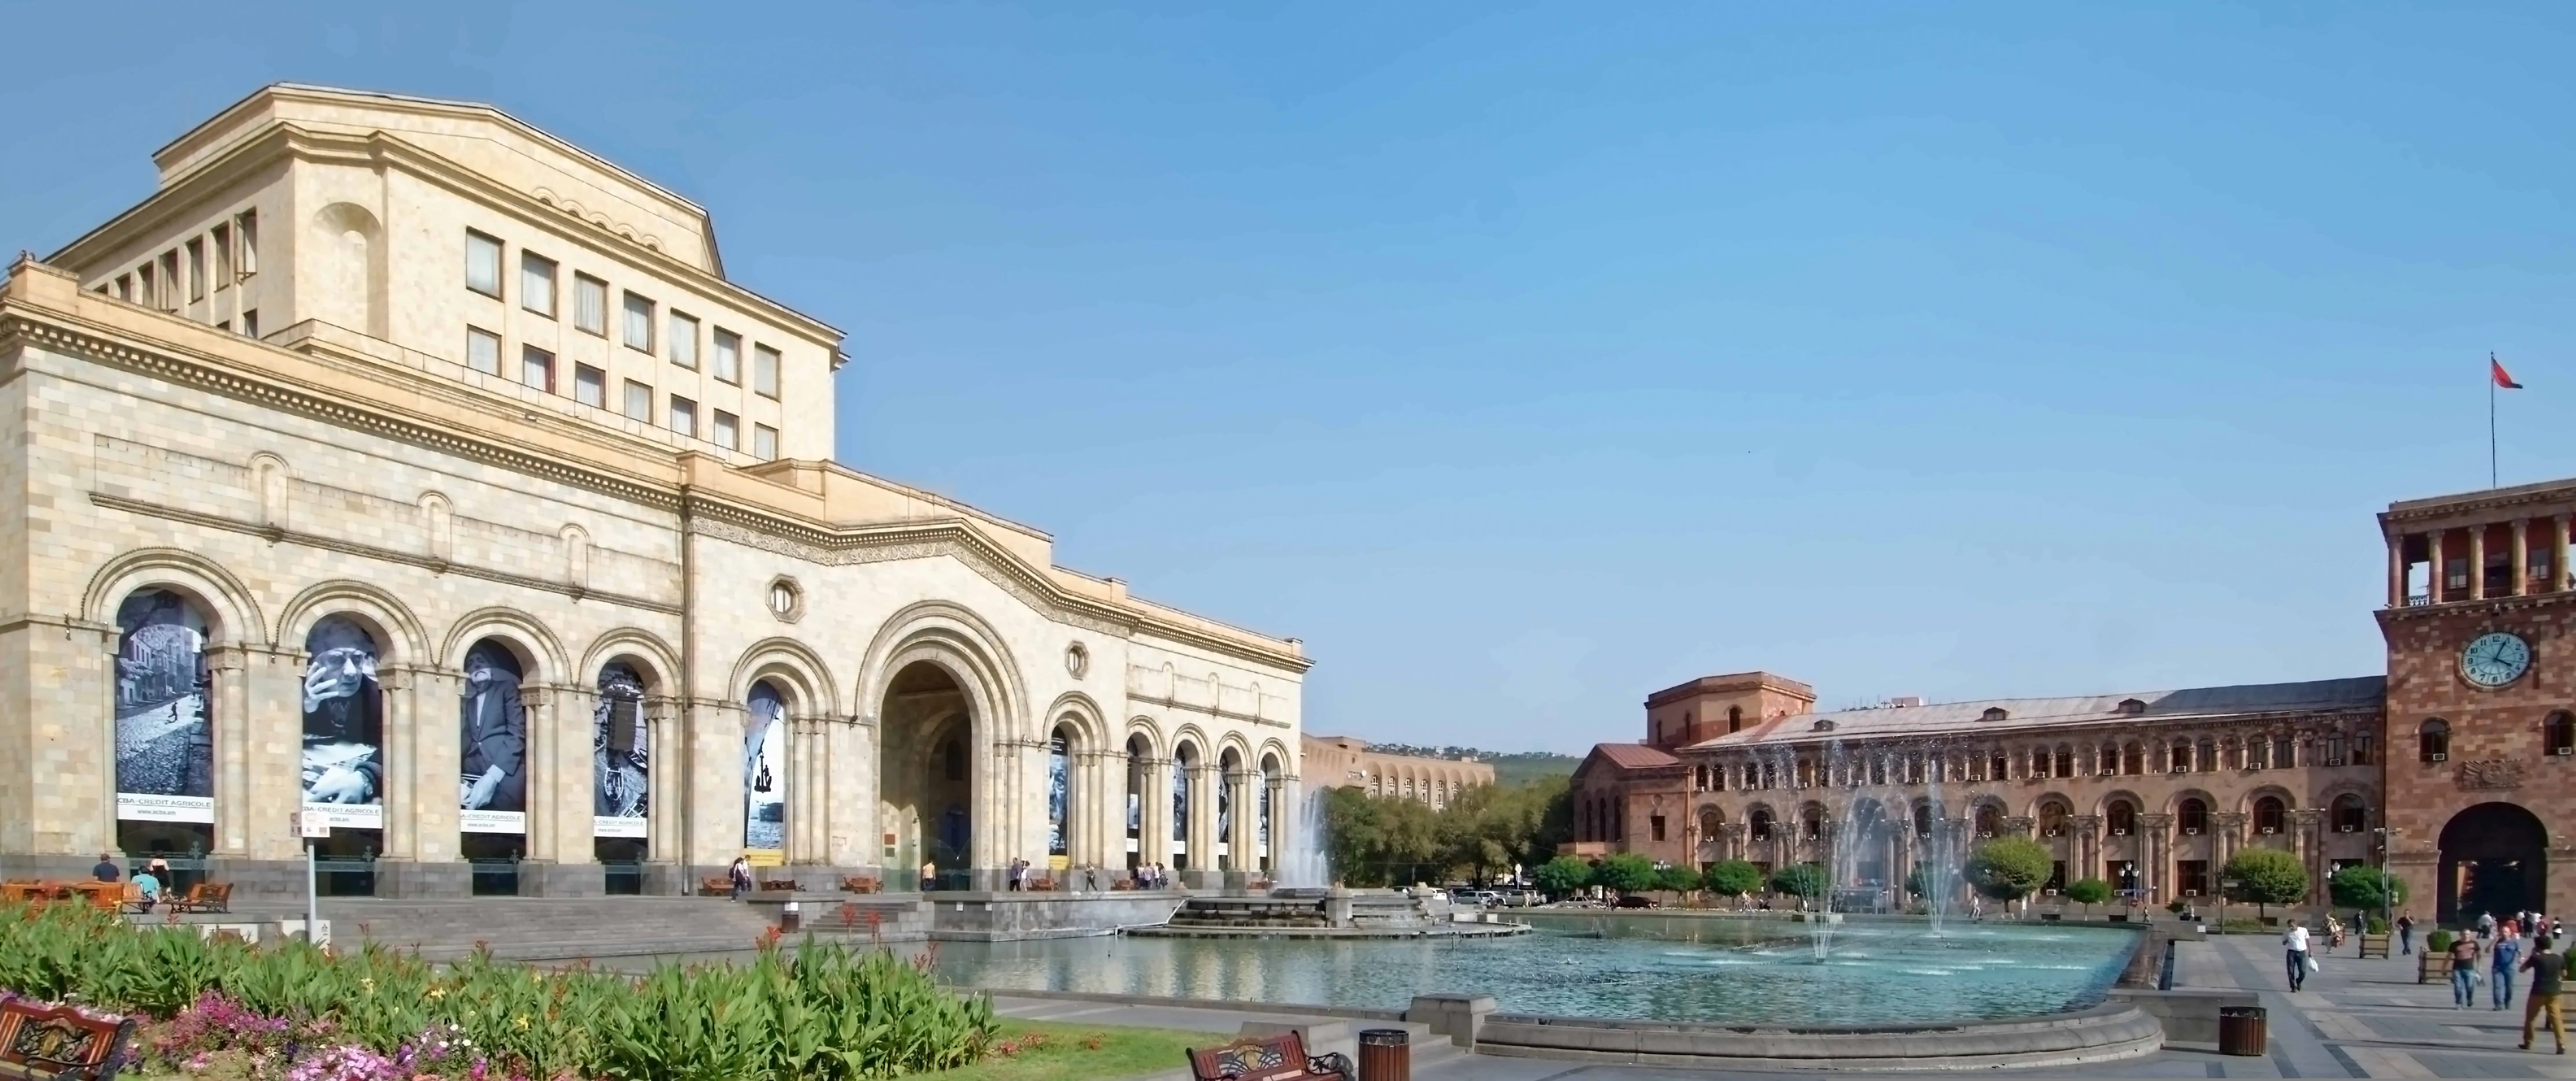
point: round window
(786, 601)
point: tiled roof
(1634, 755)
(2024, 714)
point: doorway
(2494, 859)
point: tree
(1806, 881)
(1561, 876)
(2267, 876)
(1678, 879)
(1918, 882)
(1734, 878)
(2009, 868)
(2088, 892)
(1625, 873)
(2369, 889)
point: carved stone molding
(2487, 774)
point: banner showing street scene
(165, 743)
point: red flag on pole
(2501, 379)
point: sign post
(311, 826)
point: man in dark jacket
(2546, 968)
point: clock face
(2495, 659)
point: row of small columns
(2436, 547)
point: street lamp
(2387, 895)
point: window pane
(537, 367)
(537, 284)
(197, 269)
(684, 341)
(728, 433)
(247, 225)
(764, 442)
(639, 323)
(764, 370)
(728, 355)
(250, 324)
(590, 386)
(483, 264)
(684, 416)
(483, 351)
(170, 280)
(639, 401)
(590, 304)
(223, 256)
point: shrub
(2369, 889)
(1734, 878)
(2438, 943)
(2009, 868)
(1678, 879)
(1563, 875)
(2267, 876)
(1805, 880)
(2088, 892)
(1626, 872)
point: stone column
(229, 667)
(2521, 554)
(542, 782)
(2558, 577)
(2088, 848)
(664, 792)
(2433, 581)
(399, 764)
(2306, 824)
(2155, 852)
(2477, 562)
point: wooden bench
(1042, 885)
(1266, 1058)
(205, 897)
(860, 884)
(716, 886)
(47, 1043)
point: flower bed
(820, 1012)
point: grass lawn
(1062, 1055)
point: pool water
(1653, 968)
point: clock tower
(2481, 632)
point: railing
(496, 877)
(345, 876)
(623, 878)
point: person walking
(2546, 968)
(929, 876)
(2500, 966)
(2406, 933)
(2464, 972)
(740, 876)
(2295, 942)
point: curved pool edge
(2104, 1033)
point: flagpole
(2491, 423)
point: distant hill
(1518, 767)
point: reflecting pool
(1668, 969)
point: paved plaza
(2355, 1019)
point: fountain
(1304, 903)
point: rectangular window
(223, 254)
(1655, 825)
(764, 442)
(684, 416)
(537, 368)
(125, 287)
(482, 350)
(639, 401)
(684, 341)
(537, 284)
(639, 323)
(590, 386)
(728, 431)
(590, 304)
(250, 323)
(483, 264)
(728, 356)
(764, 371)
(170, 280)
(197, 268)
(246, 228)
(146, 292)
(225, 325)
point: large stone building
(1345, 762)
(2450, 769)
(400, 465)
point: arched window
(2038, 762)
(2065, 760)
(2208, 760)
(1735, 718)
(2133, 759)
(1758, 823)
(2178, 757)
(2558, 734)
(1811, 822)
(1710, 823)
(2433, 740)
(1998, 765)
(1877, 770)
(1990, 820)
(2123, 816)
(1923, 820)
(2269, 814)
(2258, 752)
(2192, 816)
(2052, 818)
(2351, 815)
(2285, 751)
(2106, 760)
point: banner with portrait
(491, 743)
(620, 755)
(764, 771)
(343, 767)
(165, 746)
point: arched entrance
(926, 763)
(2494, 859)
(165, 761)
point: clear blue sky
(1525, 360)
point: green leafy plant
(1625, 873)
(1677, 879)
(1733, 878)
(2266, 877)
(1805, 880)
(2438, 943)
(2009, 868)
(1562, 876)
(2088, 892)
(2369, 889)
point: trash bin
(790, 920)
(2242, 1030)
(1386, 1054)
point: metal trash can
(790, 920)
(1386, 1054)
(2243, 1030)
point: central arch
(2495, 858)
(927, 763)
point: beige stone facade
(416, 375)
(1345, 762)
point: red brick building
(2452, 769)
